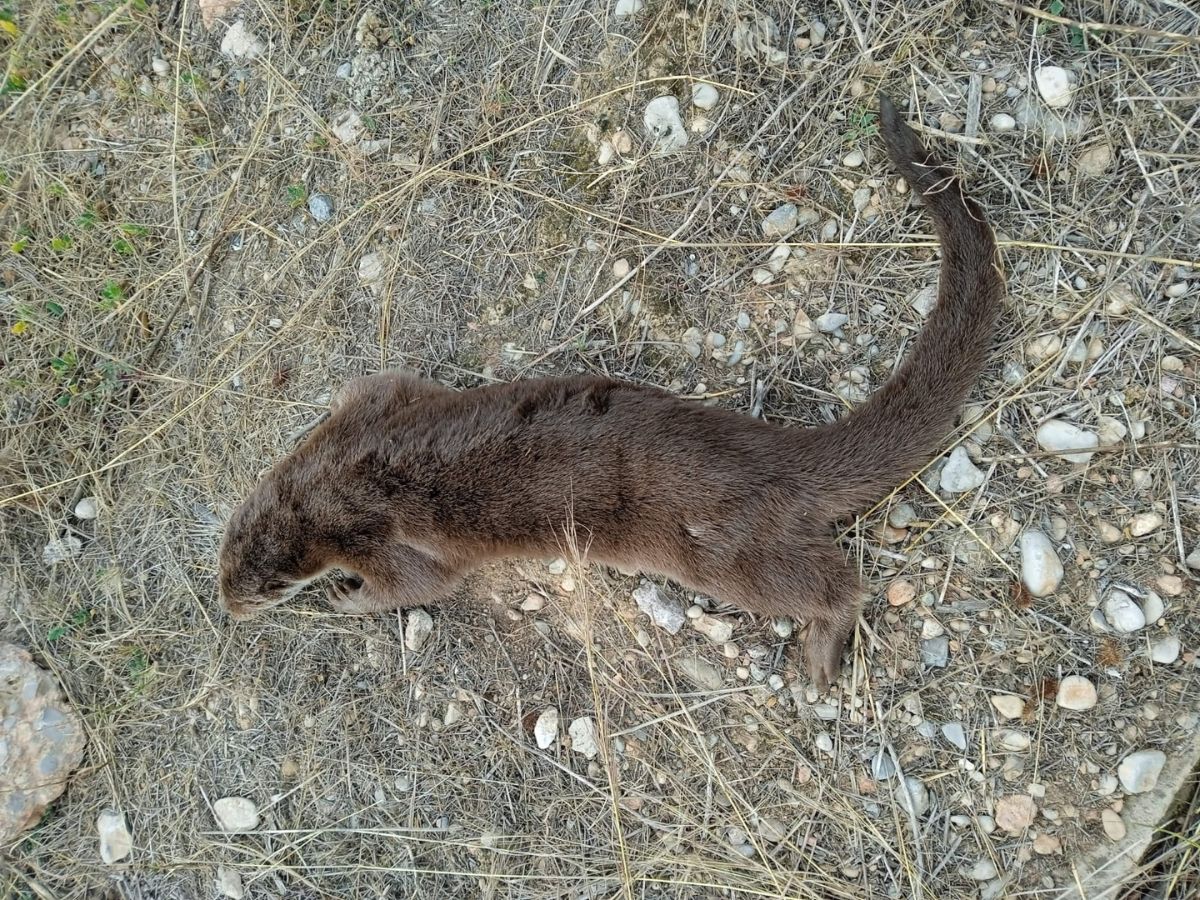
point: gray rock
(1139, 770)
(664, 127)
(831, 322)
(236, 815)
(916, 793)
(700, 672)
(1165, 650)
(959, 474)
(665, 612)
(954, 733)
(320, 206)
(935, 652)
(882, 767)
(229, 883)
(1060, 437)
(418, 626)
(41, 742)
(344, 71)
(782, 221)
(1123, 614)
(87, 508)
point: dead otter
(409, 485)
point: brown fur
(410, 485)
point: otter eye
(273, 586)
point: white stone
(1114, 825)
(700, 672)
(584, 737)
(664, 127)
(61, 549)
(831, 321)
(545, 729)
(1041, 569)
(418, 626)
(1139, 770)
(959, 474)
(1054, 86)
(624, 8)
(1008, 706)
(605, 153)
(776, 262)
(239, 43)
(236, 815)
(782, 220)
(954, 733)
(160, 66)
(87, 508)
(1003, 122)
(1076, 693)
(1044, 347)
(665, 612)
(622, 142)
(116, 842)
(229, 883)
(348, 127)
(1165, 650)
(453, 715)
(1110, 431)
(621, 268)
(762, 276)
(1014, 740)
(924, 300)
(370, 271)
(41, 742)
(1152, 608)
(716, 630)
(704, 96)
(1122, 613)
(853, 159)
(1059, 437)
(1144, 523)
(913, 794)
(983, 870)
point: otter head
(267, 554)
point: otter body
(410, 485)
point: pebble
(853, 159)
(545, 729)
(778, 259)
(584, 737)
(1014, 741)
(87, 508)
(704, 96)
(1008, 706)
(700, 672)
(824, 743)
(1076, 693)
(240, 43)
(924, 300)
(370, 271)
(1044, 347)
(1003, 122)
(418, 626)
(320, 206)
(918, 795)
(1165, 650)
(984, 870)
(716, 630)
(236, 815)
(1152, 608)
(959, 474)
(831, 322)
(1041, 569)
(782, 221)
(116, 842)
(1193, 559)
(901, 592)
(344, 71)
(1122, 613)
(1058, 437)
(954, 733)
(1054, 86)
(453, 715)
(622, 9)
(1015, 813)
(1114, 825)
(1144, 523)
(61, 549)
(621, 268)
(229, 883)
(663, 124)
(1139, 770)
(1095, 161)
(772, 830)
(783, 627)
(1046, 844)
(902, 515)
(161, 67)
(762, 276)
(935, 653)
(533, 603)
(882, 767)
(1110, 431)
(664, 611)
(622, 142)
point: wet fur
(410, 485)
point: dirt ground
(204, 232)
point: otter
(408, 485)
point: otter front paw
(349, 597)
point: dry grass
(147, 373)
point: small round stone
(1008, 706)
(1076, 693)
(1003, 122)
(621, 268)
(87, 508)
(1139, 770)
(853, 159)
(236, 815)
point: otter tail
(901, 426)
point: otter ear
(389, 386)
